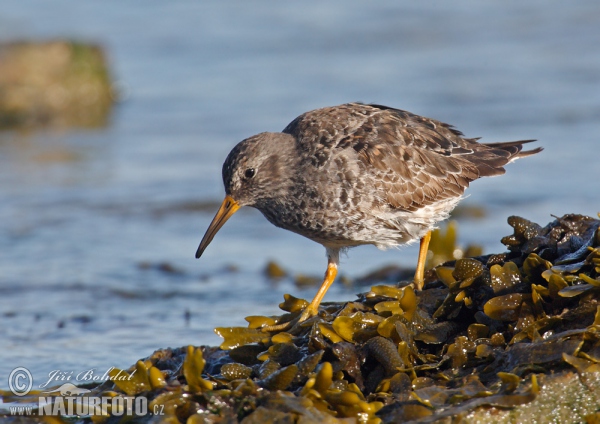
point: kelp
(485, 333)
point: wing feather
(411, 160)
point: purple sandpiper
(357, 174)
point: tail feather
(528, 153)
(514, 148)
(492, 157)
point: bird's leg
(332, 267)
(420, 272)
(333, 258)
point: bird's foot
(308, 312)
(418, 284)
(278, 327)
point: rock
(54, 83)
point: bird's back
(418, 160)
(385, 167)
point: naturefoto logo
(71, 400)
(79, 404)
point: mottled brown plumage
(357, 174)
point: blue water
(81, 210)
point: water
(87, 216)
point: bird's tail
(515, 149)
(491, 159)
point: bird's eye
(249, 173)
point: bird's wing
(414, 161)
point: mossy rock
(54, 83)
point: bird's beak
(228, 208)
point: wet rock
(55, 83)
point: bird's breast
(332, 216)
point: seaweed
(486, 333)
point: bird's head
(255, 170)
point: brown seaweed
(480, 335)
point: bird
(357, 174)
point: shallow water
(87, 217)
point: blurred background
(106, 193)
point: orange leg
(313, 308)
(420, 272)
